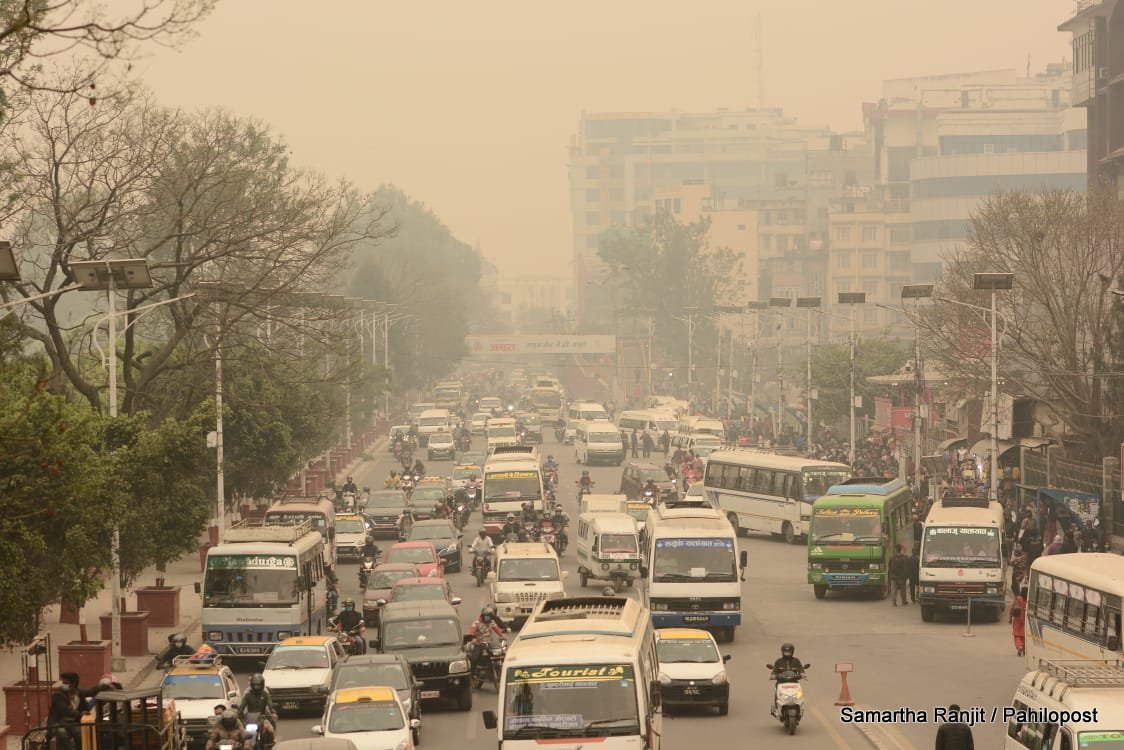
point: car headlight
(720, 678)
(460, 665)
(729, 605)
(664, 679)
(504, 598)
(322, 689)
(214, 635)
(876, 566)
(283, 634)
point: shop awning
(952, 444)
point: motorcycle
(349, 501)
(473, 491)
(649, 497)
(551, 477)
(584, 489)
(464, 443)
(788, 698)
(257, 740)
(461, 515)
(486, 653)
(546, 534)
(351, 640)
(365, 569)
(560, 432)
(480, 565)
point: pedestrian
(914, 573)
(954, 735)
(1069, 544)
(1055, 547)
(899, 575)
(1017, 619)
(634, 441)
(918, 532)
(1018, 568)
(649, 444)
(665, 443)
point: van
(598, 442)
(431, 421)
(603, 504)
(417, 409)
(582, 411)
(703, 426)
(608, 549)
(655, 423)
(525, 574)
(501, 433)
(702, 444)
(1083, 699)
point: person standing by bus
(1017, 619)
(899, 574)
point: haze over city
(470, 107)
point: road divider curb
(880, 737)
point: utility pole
(811, 304)
(851, 299)
(756, 307)
(917, 292)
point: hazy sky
(469, 105)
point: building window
(870, 232)
(592, 195)
(766, 218)
(766, 242)
(616, 195)
(870, 286)
(899, 234)
(593, 218)
(741, 227)
(591, 242)
(821, 178)
(616, 172)
(780, 179)
(617, 218)
(899, 262)
(842, 232)
(592, 173)
(870, 261)
(782, 243)
(505, 299)
(842, 260)
(870, 314)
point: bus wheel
(820, 590)
(927, 612)
(733, 519)
(788, 533)
(884, 591)
(728, 634)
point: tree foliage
(831, 374)
(1064, 249)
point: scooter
(480, 566)
(546, 534)
(486, 654)
(365, 569)
(352, 640)
(788, 698)
(584, 489)
(258, 740)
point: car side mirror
(727, 658)
(743, 558)
(655, 694)
(807, 666)
(490, 719)
(643, 571)
(375, 643)
(317, 729)
(455, 601)
(768, 666)
(198, 587)
(415, 723)
(381, 603)
(466, 639)
(261, 666)
(491, 576)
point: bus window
(777, 487)
(1075, 614)
(1057, 613)
(1092, 625)
(745, 479)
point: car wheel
(464, 699)
(820, 590)
(723, 709)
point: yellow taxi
(371, 717)
(299, 670)
(692, 671)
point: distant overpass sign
(542, 344)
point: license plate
(690, 691)
(958, 607)
(430, 694)
(696, 618)
(290, 705)
(251, 651)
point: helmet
(585, 472)
(257, 682)
(787, 649)
(487, 614)
(348, 605)
(229, 719)
(511, 516)
(179, 640)
(550, 457)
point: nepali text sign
(542, 344)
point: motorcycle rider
(586, 481)
(177, 646)
(370, 549)
(651, 487)
(511, 527)
(391, 481)
(350, 486)
(488, 621)
(229, 729)
(530, 515)
(258, 700)
(348, 620)
(788, 661)
(419, 468)
(551, 464)
(63, 718)
(560, 521)
(484, 545)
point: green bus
(853, 533)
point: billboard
(547, 343)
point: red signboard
(902, 418)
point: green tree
(831, 375)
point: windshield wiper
(676, 577)
(539, 731)
(822, 537)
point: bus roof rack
(260, 531)
(295, 499)
(966, 502)
(522, 450)
(867, 486)
(581, 608)
(695, 507)
(1078, 674)
(198, 659)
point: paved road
(898, 660)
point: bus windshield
(250, 580)
(961, 547)
(546, 399)
(350, 526)
(816, 481)
(707, 559)
(434, 421)
(603, 437)
(847, 526)
(502, 485)
(572, 700)
(286, 518)
(528, 569)
(667, 425)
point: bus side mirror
(655, 695)
(743, 559)
(198, 587)
(490, 720)
(727, 658)
(643, 571)
(1113, 643)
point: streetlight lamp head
(125, 273)
(852, 298)
(756, 305)
(917, 291)
(780, 302)
(993, 281)
(808, 302)
(9, 269)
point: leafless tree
(1064, 248)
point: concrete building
(942, 144)
(533, 303)
(1097, 85)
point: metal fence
(1052, 470)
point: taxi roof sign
(307, 640)
(365, 694)
(683, 634)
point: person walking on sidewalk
(648, 443)
(912, 574)
(634, 441)
(1017, 619)
(665, 443)
(954, 735)
(899, 575)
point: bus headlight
(664, 679)
(659, 606)
(214, 635)
(730, 606)
(720, 678)
(928, 589)
(460, 665)
(817, 566)
(502, 598)
(876, 566)
(993, 589)
(283, 634)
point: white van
(501, 433)
(655, 423)
(598, 441)
(608, 549)
(582, 411)
(603, 504)
(525, 574)
(703, 426)
(431, 421)
(1066, 706)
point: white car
(351, 536)
(197, 686)
(441, 445)
(479, 422)
(371, 717)
(299, 671)
(692, 671)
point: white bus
(654, 422)
(962, 558)
(766, 492)
(582, 672)
(1073, 608)
(510, 479)
(691, 567)
(263, 584)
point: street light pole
(917, 292)
(781, 302)
(690, 350)
(650, 323)
(756, 306)
(809, 303)
(852, 299)
(994, 282)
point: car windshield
(603, 437)
(368, 675)
(463, 474)
(667, 425)
(528, 569)
(501, 432)
(386, 500)
(640, 514)
(385, 579)
(425, 532)
(656, 475)
(704, 449)
(419, 592)
(433, 421)
(407, 634)
(579, 700)
(298, 657)
(193, 687)
(410, 555)
(350, 526)
(847, 525)
(693, 650)
(440, 438)
(960, 547)
(365, 716)
(427, 495)
(618, 543)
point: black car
(636, 475)
(429, 635)
(424, 501)
(444, 536)
(389, 670)
(385, 511)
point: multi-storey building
(532, 303)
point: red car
(421, 590)
(422, 554)
(379, 585)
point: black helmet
(229, 719)
(349, 605)
(787, 649)
(257, 682)
(550, 457)
(179, 639)
(487, 614)
(585, 472)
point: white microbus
(654, 422)
(1067, 706)
(691, 567)
(264, 584)
(962, 557)
(510, 479)
(582, 673)
(1073, 608)
(767, 492)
